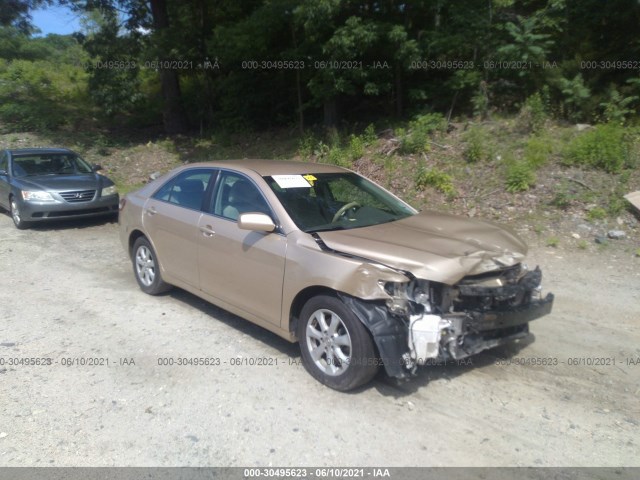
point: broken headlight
(404, 293)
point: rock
(584, 227)
(616, 234)
(576, 236)
(619, 221)
(601, 240)
(154, 175)
(3, 434)
(582, 126)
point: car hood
(85, 181)
(433, 246)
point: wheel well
(135, 235)
(303, 297)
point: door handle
(207, 231)
(151, 211)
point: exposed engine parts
(437, 322)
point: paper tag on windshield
(291, 181)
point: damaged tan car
(322, 256)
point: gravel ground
(69, 295)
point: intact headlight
(106, 191)
(37, 196)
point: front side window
(336, 201)
(187, 189)
(236, 194)
(49, 164)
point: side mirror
(96, 168)
(3, 173)
(257, 222)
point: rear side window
(187, 189)
(4, 161)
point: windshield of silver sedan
(336, 201)
(49, 164)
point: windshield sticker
(310, 178)
(291, 181)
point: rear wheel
(147, 269)
(337, 349)
(16, 215)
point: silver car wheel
(329, 342)
(145, 266)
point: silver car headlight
(106, 191)
(37, 196)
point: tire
(337, 350)
(14, 211)
(146, 268)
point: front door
(241, 267)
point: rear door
(171, 218)
(241, 267)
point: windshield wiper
(327, 228)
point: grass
(552, 242)
(596, 213)
(437, 179)
(513, 177)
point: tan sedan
(320, 255)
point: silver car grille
(78, 196)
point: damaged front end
(423, 321)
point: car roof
(272, 167)
(36, 151)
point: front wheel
(337, 350)
(16, 216)
(147, 269)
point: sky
(55, 20)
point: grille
(78, 196)
(68, 213)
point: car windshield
(49, 164)
(336, 201)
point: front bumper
(478, 331)
(36, 211)
(464, 333)
(493, 320)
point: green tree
(114, 83)
(17, 13)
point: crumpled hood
(433, 246)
